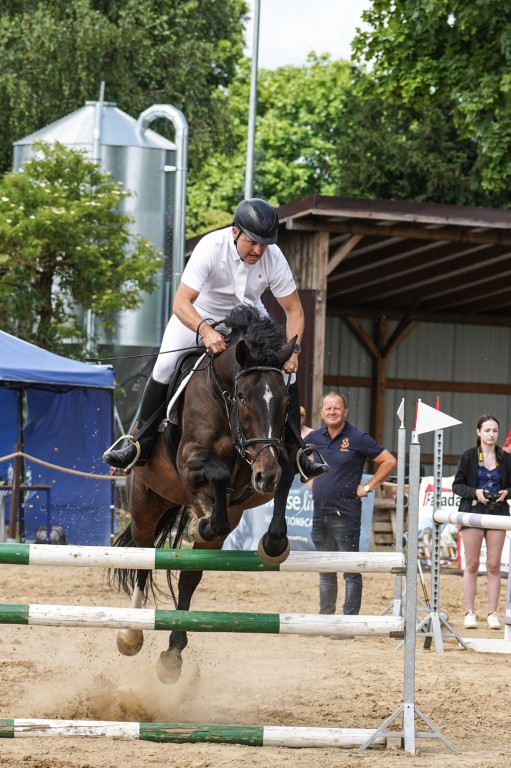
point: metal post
(400, 515)
(252, 109)
(411, 597)
(434, 628)
(17, 466)
(408, 708)
(432, 625)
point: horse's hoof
(273, 559)
(193, 531)
(130, 641)
(168, 666)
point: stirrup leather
(131, 440)
(307, 449)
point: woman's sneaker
(470, 620)
(493, 621)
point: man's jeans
(335, 532)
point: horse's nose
(265, 481)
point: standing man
(228, 267)
(338, 495)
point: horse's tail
(171, 527)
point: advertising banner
(451, 502)
(299, 512)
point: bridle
(230, 402)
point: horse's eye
(242, 400)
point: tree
(401, 152)
(425, 54)
(324, 129)
(56, 53)
(300, 114)
(66, 247)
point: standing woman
(483, 481)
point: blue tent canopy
(68, 408)
(25, 363)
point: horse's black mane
(263, 335)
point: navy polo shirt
(346, 454)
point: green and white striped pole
(198, 621)
(251, 735)
(145, 558)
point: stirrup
(131, 440)
(307, 449)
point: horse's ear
(285, 353)
(242, 353)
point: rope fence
(59, 468)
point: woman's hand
(481, 497)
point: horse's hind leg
(168, 667)
(130, 641)
(274, 545)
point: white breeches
(176, 339)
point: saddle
(172, 428)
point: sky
(290, 29)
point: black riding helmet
(258, 220)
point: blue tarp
(68, 423)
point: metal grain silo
(151, 167)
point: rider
(222, 273)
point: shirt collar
(327, 433)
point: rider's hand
(213, 341)
(291, 365)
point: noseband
(229, 400)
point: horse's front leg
(218, 475)
(168, 667)
(274, 545)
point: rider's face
(249, 250)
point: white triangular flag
(400, 413)
(430, 419)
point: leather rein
(229, 400)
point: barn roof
(445, 263)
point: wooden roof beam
(341, 253)
(446, 232)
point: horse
(230, 457)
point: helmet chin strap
(236, 243)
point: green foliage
(65, 247)
(56, 53)
(427, 54)
(299, 116)
(398, 152)
(324, 129)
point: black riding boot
(154, 396)
(307, 468)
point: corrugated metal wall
(431, 352)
